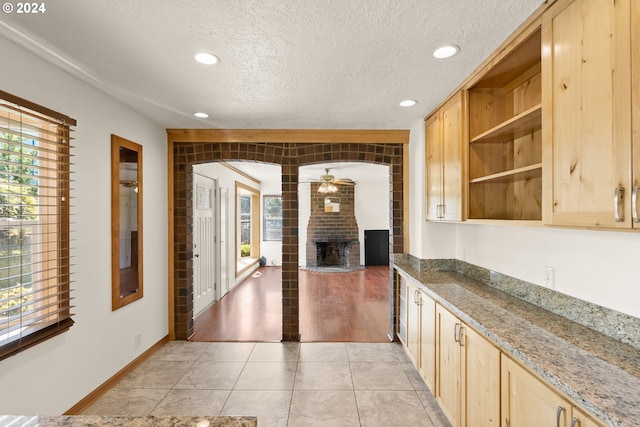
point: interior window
(247, 227)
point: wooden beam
(289, 136)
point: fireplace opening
(332, 254)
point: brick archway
(290, 156)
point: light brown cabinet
(421, 332)
(588, 146)
(528, 402)
(467, 374)
(445, 132)
(505, 122)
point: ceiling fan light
(327, 187)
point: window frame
(265, 217)
(253, 258)
(48, 310)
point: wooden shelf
(524, 123)
(523, 173)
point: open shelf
(523, 173)
(528, 121)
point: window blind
(35, 276)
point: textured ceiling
(326, 64)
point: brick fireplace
(332, 232)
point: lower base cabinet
(468, 374)
(528, 402)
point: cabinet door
(527, 402)
(581, 419)
(452, 142)
(586, 113)
(413, 323)
(635, 93)
(428, 341)
(448, 375)
(482, 381)
(433, 166)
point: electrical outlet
(137, 339)
(549, 277)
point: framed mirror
(126, 222)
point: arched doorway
(187, 148)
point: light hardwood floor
(339, 307)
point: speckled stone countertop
(101, 421)
(599, 373)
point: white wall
(597, 266)
(53, 376)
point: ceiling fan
(328, 182)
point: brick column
(290, 302)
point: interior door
(204, 246)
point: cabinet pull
(456, 332)
(559, 412)
(415, 297)
(461, 336)
(634, 204)
(618, 198)
(575, 422)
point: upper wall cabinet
(587, 111)
(505, 150)
(445, 132)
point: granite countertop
(103, 421)
(599, 373)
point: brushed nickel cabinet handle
(618, 198)
(461, 336)
(634, 204)
(456, 332)
(575, 422)
(559, 412)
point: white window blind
(35, 277)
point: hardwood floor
(341, 307)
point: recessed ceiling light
(446, 51)
(201, 115)
(207, 58)
(408, 103)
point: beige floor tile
(371, 352)
(383, 408)
(211, 376)
(379, 376)
(183, 351)
(267, 376)
(275, 352)
(192, 403)
(155, 374)
(227, 352)
(323, 376)
(323, 352)
(127, 402)
(435, 413)
(414, 376)
(271, 407)
(320, 408)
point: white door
(204, 246)
(224, 241)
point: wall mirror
(126, 222)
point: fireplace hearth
(333, 254)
